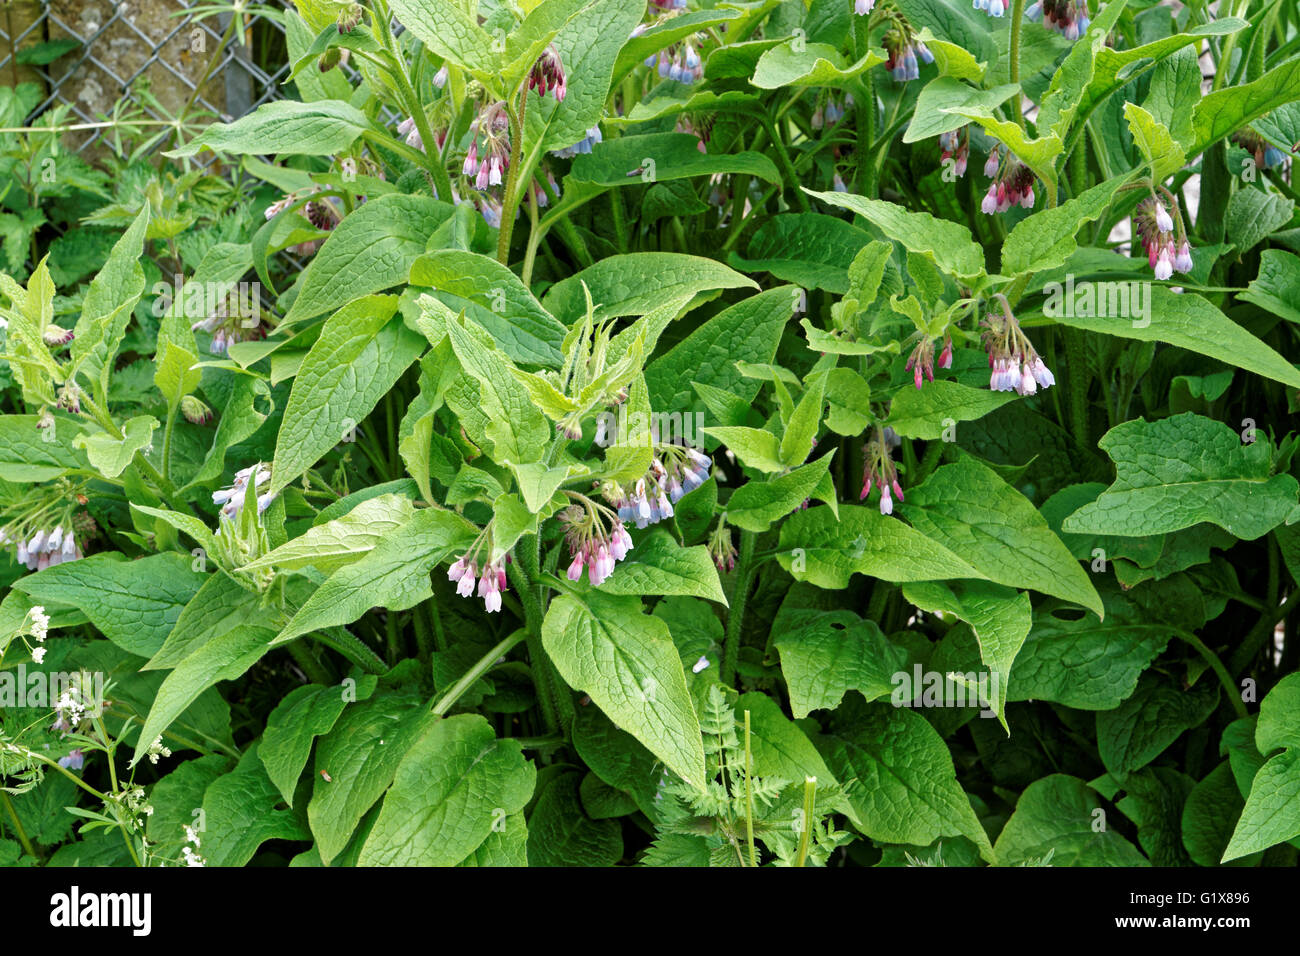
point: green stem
(749, 795)
(1017, 15)
(351, 647)
(541, 669)
(430, 158)
(481, 667)
(809, 801)
(18, 827)
(310, 666)
(788, 173)
(736, 616)
(1211, 658)
(510, 201)
(167, 443)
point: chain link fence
(158, 59)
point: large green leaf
(284, 127)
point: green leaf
(31, 454)
(939, 103)
(659, 565)
(111, 455)
(219, 605)
(515, 431)
(362, 351)
(454, 786)
(971, 511)
(928, 412)
(496, 299)
(826, 551)
(303, 715)
(1254, 215)
(947, 243)
(133, 603)
(284, 127)
(360, 756)
(223, 657)
(1142, 727)
(660, 158)
(1227, 110)
(757, 448)
(900, 779)
(1210, 815)
(395, 574)
(177, 374)
(636, 283)
(756, 505)
(1059, 815)
(447, 29)
(833, 652)
(1202, 473)
(626, 661)
(1045, 240)
(112, 296)
(811, 64)
(749, 331)
(240, 814)
(561, 834)
(329, 546)
(810, 249)
(371, 250)
(1155, 142)
(1272, 811)
(999, 617)
(1277, 287)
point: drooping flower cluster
(36, 624)
(831, 113)
(491, 582)
(669, 4)
(675, 471)
(547, 75)
(863, 7)
(487, 164)
(956, 146)
(234, 317)
(349, 17)
(1067, 17)
(43, 549)
(1266, 155)
(1015, 364)
(994, 8)
(583, 145)
(1013, 184)
(721, 548)
(1164, 240)
(680, 62)
(879, 471)
(903, 48)
(921, 362)
(539, 192)
(232, 499)
(591, 546)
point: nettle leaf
(395, 574)
(1183, 470)
(974, 513)
(637, 283)
(1055, 818)
(329, 546)
(999, 616)
(1272, 811)
(948, 243)
(625, 660)
(240, 814)
(928, 412)
(371, 250)
(360, 757)
(362, 351)
(284, 127)
(820, 548)
(451, 790)
(834, 652)
(900, 779)
(496, 299)
(809, 64)
(659, 565)
(756, 505)
(749, 331)
(662, 157)
(305, 714)
(133, 603)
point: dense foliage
(574, 432)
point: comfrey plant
(840, 433)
